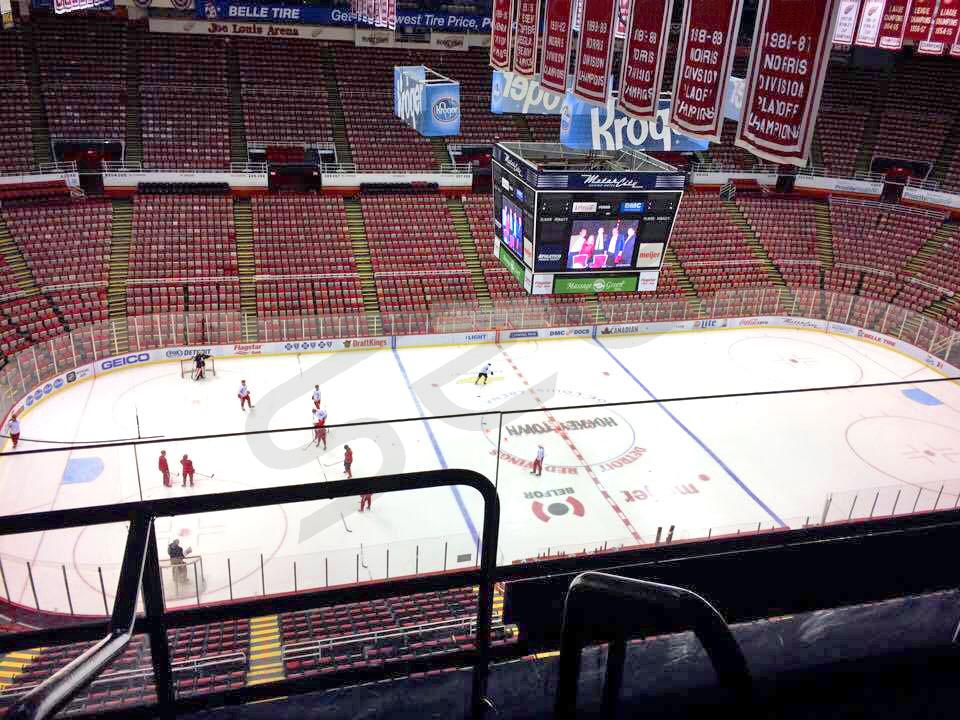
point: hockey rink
(612, 475)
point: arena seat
(16, 152)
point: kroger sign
(426, 101)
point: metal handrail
(591, 590)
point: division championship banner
(788, 64)
(846, 22)
(708, 38)
(894, 24)
(591, 77)
(644, 52)
(527, 39)
(501, 29)
(557, 32)
(943, 34)
(870, 19)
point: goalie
(199, 363)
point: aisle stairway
(338, 122)
(119, 269)
(756, 247)
(683, 280)
(266, 662)
(247, 267)
(13, 664)
(915, 266)
(361, 252)
(133, 150)
(440, 152)
(872, 127)
(469, 248)
(238, 132)
(15, 261)
(824, 238)
(38, 114)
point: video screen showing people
(511, 218)
(602, 244)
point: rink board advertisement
(66, 379)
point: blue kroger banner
(326, 15)
(431, 108)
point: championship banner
(955, 47)
(920, 20)
(501, 27)
(944, 31)
(591, 77)
(788, 64)
(708, 39)
(6, 11)
(869, 28)
(391, 14)
(527, 38)
(894, 24)
(644, 52)
(68, 6)
(557, 32)
(846, 22)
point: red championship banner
(870, 18)
(788, 64)
(527, 38)
(708, 39)
(591, 77)
(944, 31)
(920, 20)
(847, 16)
(955, 47)
(894, 24)
(501, 28)
(557, 33)
(644, 50)
(392, 14)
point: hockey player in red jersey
(347, 460)
(187, 465)
(165, 469)
(319, 431)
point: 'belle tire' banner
(591, 78)
(788, 64)
(708, 39)
(501, 28)
(870, 19)
(527, 38)
(944, 31)
(557, 32)
(894, 24)
(644, 51)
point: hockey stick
(211, 476)
(363, 562)
(345, 527)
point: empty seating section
(917, 113)
(788, 232)
(304, 257)
(416, 257)
(938, 276)
(712, 249)
(16, 154)
(184, 102)
(83, 71)
(281, 107)
(848, 95)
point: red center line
(558, 428)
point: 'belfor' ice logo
(446, 109)
(557, 509)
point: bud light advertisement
(425, 101)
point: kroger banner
(584, 126)
(427, 102)
(326, 15)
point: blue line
(436, 448)
(697, 440)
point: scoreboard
(574, 224)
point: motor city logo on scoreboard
(523, 432)
(446, 109)
(133, 359)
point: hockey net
(187, 368)
(183, 579)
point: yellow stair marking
(264, 651)
(13, 664)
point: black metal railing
(141, 572)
